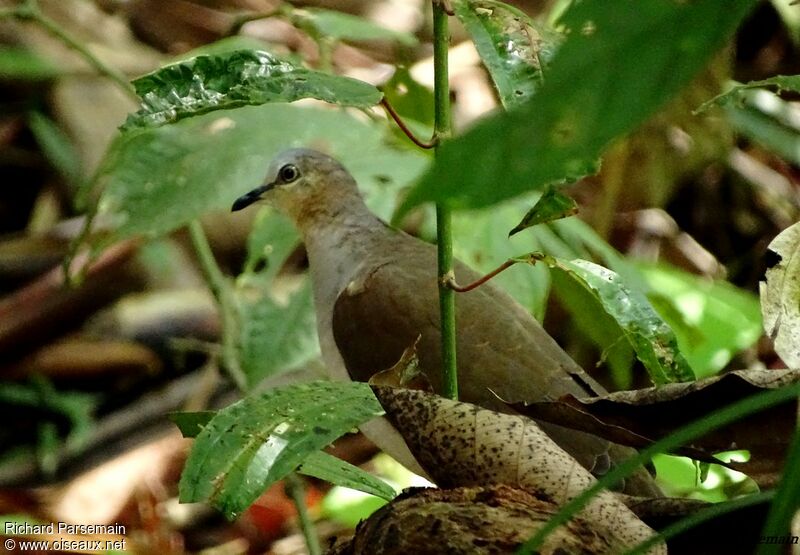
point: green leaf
(57, 147)
(735, 93)
(158, 180)
(649, 336)
(514, 48)
(318, 464)
(712, 320)
(336, 471)
(191, 423)
(620, 62)
(335, 25)
(238, 78)
(257, 441)
(20, 64)
(552, 205)
(409, 98)
(272, 239)
(780, 295)
(274, 334)
(479, 240)
(767, 119)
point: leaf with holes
(238, 78)
(514, 48)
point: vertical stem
(221, 289)
(444, 231)
(295, 490)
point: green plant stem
(442, 129)
(30, 11)
(221, 289)
(295, 489)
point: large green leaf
(237, 78)
(621, 60)
(159, 179)
(640, 325)
(514, 48)
(255, 442)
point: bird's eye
(289, 173)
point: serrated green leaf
(341, 473)
(257, 441)
(780, 295)
(336, 25)
(237, 78)
(650, 337)
(552, 205)
(157, 180)
(514, 48)
(780, 82)
(621, 60)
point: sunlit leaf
(552, 205)
(255, 442)
(237, 78)
(712, 319)
(514, 48)
(600, 84)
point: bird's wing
(503, 353)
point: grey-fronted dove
(375, 292)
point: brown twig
(405, 129)
(450, 281)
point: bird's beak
(249, 198)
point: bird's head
(304, 184)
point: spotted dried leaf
(460, 444)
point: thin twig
(221, 289)
(30, 11)
(451, 282)
(294, 488)
(405, 129)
